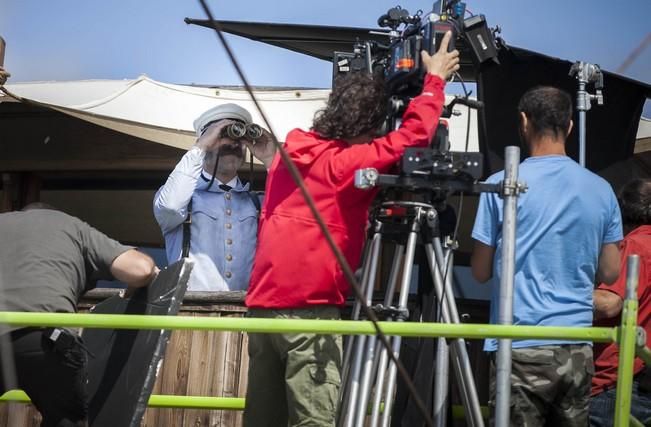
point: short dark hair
(548, 109)
(357, 105)
(635, 202)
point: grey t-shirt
(48, 259)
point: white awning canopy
(164, 113)
(644, 130)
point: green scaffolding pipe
(201, 402)
(160, 401)
(626, 342)
(633, 422)
(196, 402)
(626, 359)
(343, 327)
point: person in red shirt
(635, 204)
(294, 378)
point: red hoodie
(294, 267)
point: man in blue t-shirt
(567, 234)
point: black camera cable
(459, 205)
(346, 269)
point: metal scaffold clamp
(510, 188)
(640, 337)
(587, 73)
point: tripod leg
(402, 304)
(441, 382)
(379, 387)
(349, 342)
(381, 366)
(373, 346)
(365, 385)
(442, 379)
(460, 359)
(353, 390)
(360, 356)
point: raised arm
(171, 200)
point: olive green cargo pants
(293, 378)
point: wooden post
(2, 52)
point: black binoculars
(238, 130)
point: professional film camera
(399, 58)
(435, 169)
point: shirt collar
(235, 184)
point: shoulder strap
(186, 232)
(255, 199)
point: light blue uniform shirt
(224, 225)
(564, 218)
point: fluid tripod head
(433, 170)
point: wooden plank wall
(202, 363)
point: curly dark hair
(357, 105)
(548, 109)
(635, 202)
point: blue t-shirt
(563, 219)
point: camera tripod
(367, 372)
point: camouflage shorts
(550, 385)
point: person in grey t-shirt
(48, 260)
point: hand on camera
(211, 139)
(442, 63)
(263, 148)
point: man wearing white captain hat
(204, 209)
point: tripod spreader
(391, 312)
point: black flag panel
(123, 362)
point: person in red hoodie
(294, 378)
(635, 204)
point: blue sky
(120, 39)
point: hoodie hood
(307, 145)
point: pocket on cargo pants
(314, 389)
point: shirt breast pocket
(248, 216)
(203, 210)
